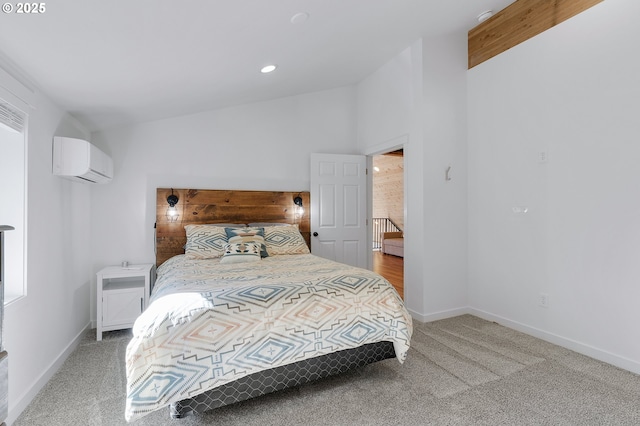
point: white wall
(386, 101)
(389, 112)
(571, 92)
(260, 146)
(42, 327)
(444, 62)
(419, 98)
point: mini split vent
(11, 118)
(78, 160)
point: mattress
(209, 324)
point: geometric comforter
(209, 323)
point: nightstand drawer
(121, 307)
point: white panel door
(338, 208)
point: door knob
(315, 234)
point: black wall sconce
(299, 209)
(172, 211)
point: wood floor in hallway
(392, 268)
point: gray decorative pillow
(247, 235)
(285, 240)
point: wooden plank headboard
(201, 206)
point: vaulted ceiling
(116, 62)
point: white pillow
(285, 240)
(205, 241)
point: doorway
(388, 217)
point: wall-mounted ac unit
(80, 161)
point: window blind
(11, 117)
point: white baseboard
(438, 315)
(584, 349)
(25, 399)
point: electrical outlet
(543, 300)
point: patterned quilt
(210, 323)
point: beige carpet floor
(460, 371)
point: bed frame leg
(177, 411)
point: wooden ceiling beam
(519, 22)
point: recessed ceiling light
(485, 15)
(267, 69)
(299, 18)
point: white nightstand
(123, 293)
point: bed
(253, 313)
